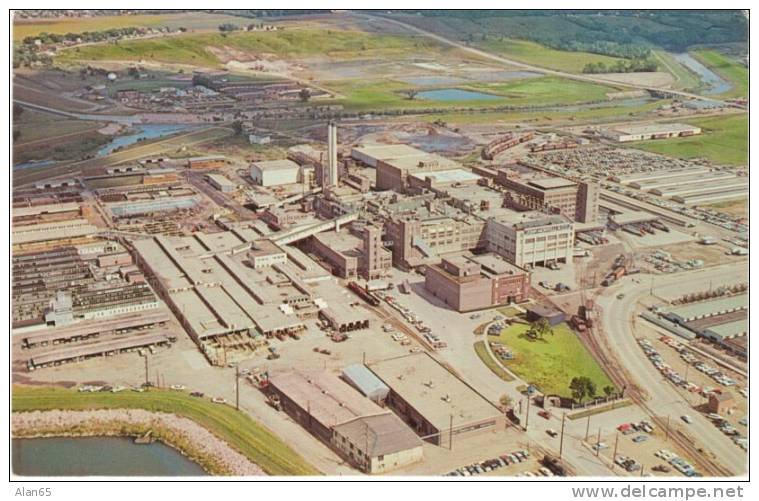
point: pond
(98, 456)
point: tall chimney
(331, 177)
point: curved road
(664, 399)
(530, 67)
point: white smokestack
(331, 154)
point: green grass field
(734, 72)
(540, 55)
(247, 436)
(546, 90)
(364, 95)
(192, 48)
(724, 140)
(542, 118)
(551, 363)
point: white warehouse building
(274, 172)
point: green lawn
(364, 95)
(482, 352)
(540, 55)
(730, 70)
(724, 140)
(192, 48)
(551, 363)
(615, 113)
(547, 90)
(247, 436)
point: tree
(237, 126)
(411, 94)
(539, 329)
(506, 401)
(582, 387)
(304, 94)
(609, 390)
(228, 27)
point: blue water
(33, 163)
(715, 83)
(142, 132)
(98, 456)
(456, 95)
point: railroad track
(622, 379)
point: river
(715, 84)
(98, 456)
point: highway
(617, 319)
(530, 67)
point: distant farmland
(189, 20)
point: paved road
(530, 67)
(664, 399)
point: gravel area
(58, 423)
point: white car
(686, 418)
(178, 387)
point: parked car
(686, 418)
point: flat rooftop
(730, 329)
(380, 434)
(434, 391)
(713, 307)
(495, 264)
(448, 176)
(657, 128)
(52, 231)
(328, 399)
(551, 183)
(274, 165)
(45, 209)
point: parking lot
(696, 377)
(638, 451)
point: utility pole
(667, 437)
(614, 457)
(450, 434)
(527, 417)
(237, 387)
(598, 443)
(587, 428)
(147, 379)
(561, 440)
(366, 447)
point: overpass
(299, 233)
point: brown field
(737, 207)
(48, 98)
